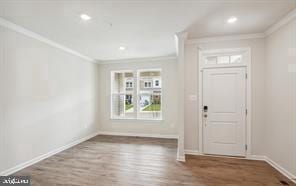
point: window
(211, 60)
(235, 59)
(139, 99)
(122, 94)
(156, 83)
(147, 84)
(149, 104)
(129, 83)
(222, 60)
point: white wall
(47, 98)
(281, 97)
(169, 100)
(191, 88)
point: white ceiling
(145, 28)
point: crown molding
(148, 59)
(225, 38)
(286, 19)
(12, 26)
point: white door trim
(247, 64)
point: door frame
(247, 64)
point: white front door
(224, 114)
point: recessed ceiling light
(85, 17)
(232, 20)
(121, 48)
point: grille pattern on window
(232, 59)
(122, 102)
(136, 94)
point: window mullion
(136, 93)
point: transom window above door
(136, 94)
(224, 57)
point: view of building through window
(149, 93)
(145, 86)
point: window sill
(134, 119)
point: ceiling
(145, 27)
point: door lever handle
(205, 115)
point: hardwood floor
(111, 160)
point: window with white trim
(156, 83)
(129, 83)
(136, 94)
(122, 94)
(225, 59)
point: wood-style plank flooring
(111, 160)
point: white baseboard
(181, 158)
(192, 152)
(139, 135)
(44, 156)
(256, 157)
(281, 169)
